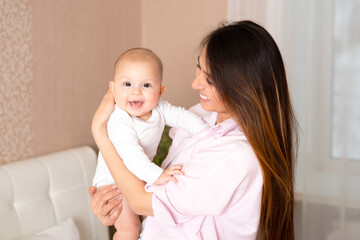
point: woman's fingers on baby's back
(107, 193)
(114, 214)
(111, 204)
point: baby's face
(137, 87)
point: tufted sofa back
(41, 192)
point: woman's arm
(131, 187)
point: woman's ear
(111, 87)
(162, 89)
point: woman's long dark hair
(248, 72)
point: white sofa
(39, 193)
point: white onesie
(136, 140)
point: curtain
(320, 44)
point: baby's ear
(162, 89)
(111, 86)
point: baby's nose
(136, 91)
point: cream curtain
(320, 43)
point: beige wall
(75, 44)
(174, 29)
(56, 58)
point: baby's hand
(168, 175)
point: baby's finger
(175, 172)
(173, 179)
(175, 167)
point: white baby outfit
(136, 140)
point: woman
(238, 181)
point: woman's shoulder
(236, 145)
(234, 150)
(243, 153)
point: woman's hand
(102, 114)
(106, 203)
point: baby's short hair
(141, 54)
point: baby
(136, 125)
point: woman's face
(209, 98)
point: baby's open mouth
(136, 104)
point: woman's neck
(222, 117)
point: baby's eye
(147, 85)
(127, 84)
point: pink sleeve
(207, 189)
(164, 212)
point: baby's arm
(124, 137)
(126, 142)
(179, 117)
(102, 174)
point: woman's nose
(197, 82)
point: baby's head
(137, 82)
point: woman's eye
(147, 85)
(127, 84)
(209, 81)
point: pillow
(66, 230)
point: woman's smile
(204, 98)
